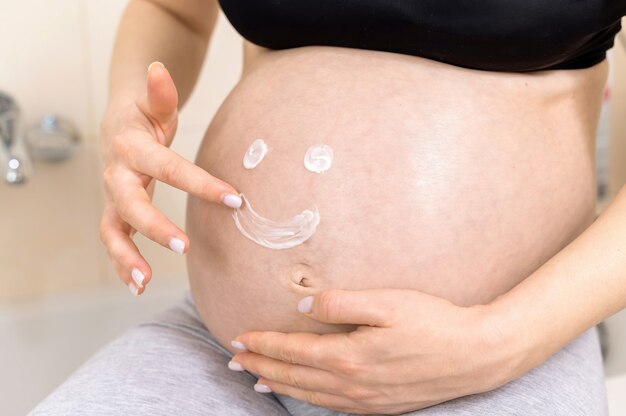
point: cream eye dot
(318, 158)
(255, 154)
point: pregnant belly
(454, 182)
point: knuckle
(330, 304)
(108, 175)
(360, 394)
(349, 368)
(259, 342)
(106, 229)
(287, 355)
(169, 170)
(290, 378)
(125, 206)
(115, 250)
(121, 274)
(313, 398)
(103, 232)
(389, 410)
(252, 341)
(118, 145)
(152, 228)
(207, 188)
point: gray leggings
(173, 366)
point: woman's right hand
(135, 147)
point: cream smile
(277, 235)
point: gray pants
(173, 366)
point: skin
(403, 165)
(579, 287)
(451, 165)
(142, 116)
(424, 323)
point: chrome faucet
(10, 136)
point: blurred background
(59, 298)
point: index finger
(169, 167)
(313, 350)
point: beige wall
(55, 57)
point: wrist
(513, 343)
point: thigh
(570, 383)
(168, 366)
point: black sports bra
(495, 35)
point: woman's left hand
(410, 351)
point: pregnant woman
(456, 267)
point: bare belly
(455, 182)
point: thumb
(160, 102)
(375, 307)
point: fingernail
(235, 366)
(232, 200)
(133, 289)
(306, 304)
(262, 388)
(155, 63)
(238, 345)
(176, 245)
(137, 277)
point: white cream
(274, 234)
(255, 154)
(318, 158)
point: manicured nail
(238, 345)
(235, 366)
(137, 277)
(306, 304)
(133, 289)
(155, 63)
(176, 245)
(232, 200)
(262, 388)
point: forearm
(577, 288)
(175, 32)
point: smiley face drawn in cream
(279, 235)
(255, 153)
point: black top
(495, 35)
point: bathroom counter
(49, 239)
